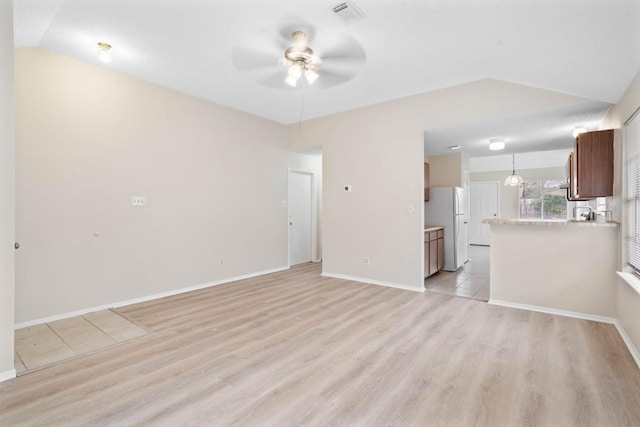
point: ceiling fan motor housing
(300, 53)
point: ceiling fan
(301, 60)
(281, 57)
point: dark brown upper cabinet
(426, 182)
(591, 166)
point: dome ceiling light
(496, 144)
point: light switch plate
(137, 201)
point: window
(631, 194)
(542, 199)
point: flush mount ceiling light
(496, 144)
(514, 180)
(301, 60)
(104, 54)
(578, 130)
(454, 147)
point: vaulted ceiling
(587, 48)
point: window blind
(631, 192)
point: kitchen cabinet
(426, 182)
(440, 249)
(590, 166)
(433, 250)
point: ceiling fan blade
(329, 79)
(276, 81)
(254, 58)
(285, 31)
(343, 48)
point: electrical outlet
(137, 201)
(367, 260)
(410, 208)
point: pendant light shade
(513, 179)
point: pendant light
(513, 179)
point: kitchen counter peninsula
(554, 266)
(550, 222)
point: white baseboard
(547, 310)
(7, 375)
(372, 282)
(603, 319)
(145, 298)
(632, 348)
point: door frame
(314, 225)
(497, 183)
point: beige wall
(7, 195)
(509, 195)
(446, 170)
(628, 299)
(87, 140)
(559, 267)
(379, 150)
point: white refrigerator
(446, 207)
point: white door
(483, 204)
(300, 217)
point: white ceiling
(524, 132)
(588, 48)
(533, 160)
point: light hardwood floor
(293, 348)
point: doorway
(484, 203)
(301, 196)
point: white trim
(631, 280)
(314, 221)
(566, 313)
(7, 375)
(632, 348)
(145, 298)
(372, 282)
(603, 319)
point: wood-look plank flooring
(294, 348)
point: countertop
(433, 227)
(550, 222)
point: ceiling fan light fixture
(291, 81)
(311, 76)
(295, 71)
(302, 59)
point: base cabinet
(433, 251)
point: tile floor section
(470, 281)
(48, 343)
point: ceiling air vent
(348, 12)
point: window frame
(543, 193)
(631, 203)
